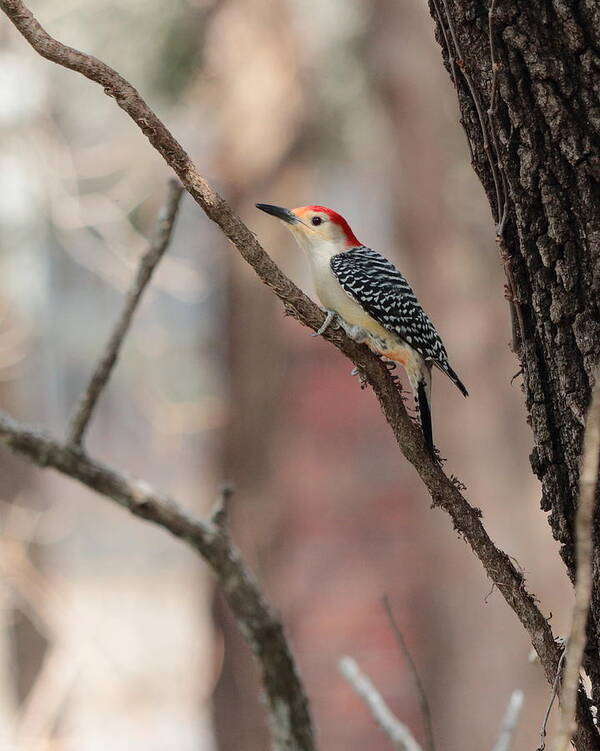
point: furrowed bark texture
(543, 138)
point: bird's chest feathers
(332, 296)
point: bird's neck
(320, 251)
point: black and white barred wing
(380, 289)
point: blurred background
(111, 633)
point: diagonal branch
(553, 695)
(509, 721)
(584, 531)
(444, 491)
(148, 262)
(398, 733)
(290, 719)
(423, 700)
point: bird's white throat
(315, 247)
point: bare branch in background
(444, 491)
(584, 523)
(291, 725)
(509, 723)
(400, 736)
(423, 700)
(553, 695)
(148, 262)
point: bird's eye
(316, 220)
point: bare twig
(492, 157)
(465, 518)
(290, 719)
(220, 513)
(491, 147)
(555, 685)
(148, 262)
(584, 522)
(440, 21)
(509, 723)
(400, 736)
(491, 113)
(423, 700)
(516, 313)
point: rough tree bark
(527, 74)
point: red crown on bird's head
(351, 239)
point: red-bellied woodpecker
(371, 299)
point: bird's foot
(356, 333)
(330, 320)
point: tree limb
(509, 722)
(423, 700)
(543, 729)
(290, 719)
(444, 492)
(148, 262)
(398, 733)
(584, 532)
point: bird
(364, 292)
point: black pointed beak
(278, 211)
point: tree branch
(398, 733)
(553, 694)
(423, 700)
(584, 531)
(509, 722)
(288, 707)
(148, 262)
(444, 491)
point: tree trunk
(528, 79)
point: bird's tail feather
(455, 379)
(425, 415)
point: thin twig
(509, 723)
(423, 700)
(584, 522)
(491, 113)
(466, 519)
(491, 110)
(220, 514)
(440, 21)
(491, 156)
(517, 322)
(288, 706)
(516, 312)
(400, 736)
(148, 262)
(492, 151)
(553, 695)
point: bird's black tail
(425, 416)
(455, 380)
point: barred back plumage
(371, 301)
(379, 288)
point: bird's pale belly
(334, 298)
(377, 338)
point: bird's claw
(329, 321)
